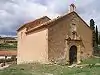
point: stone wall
(86, 36)
(56, 40)
(57, 48)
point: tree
(96, 35)
(92, 26)
(99, 40)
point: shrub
(13, 58)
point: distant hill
(8, 43)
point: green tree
(92, 26)
(96, 35)
(99, 40)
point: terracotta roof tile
(35, 23)
(46, 23)
(7, 53)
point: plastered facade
(52, 44)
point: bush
(13, 58)
(97, 51)
(7, 46)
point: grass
(8, 46)
(91, 61)
(44, 69)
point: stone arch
(73, 54)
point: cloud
(90, 10)
(17, 12)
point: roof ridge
(32, 21)
(55, 19)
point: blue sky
(14, 13)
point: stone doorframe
(69, 44)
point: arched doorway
(73, 54)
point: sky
(14, 13)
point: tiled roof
(35, 23)
(7, 53)
(47, 23)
